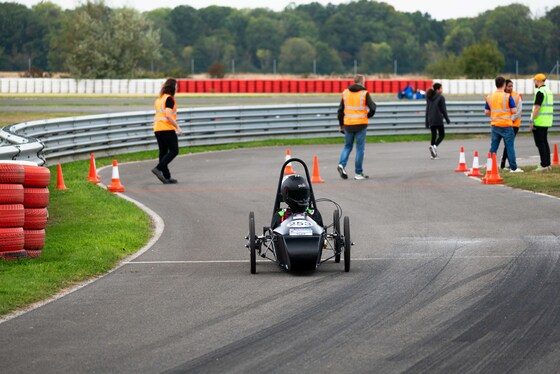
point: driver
(296, 194)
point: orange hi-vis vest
(161, 123)
(500, 112)
(355, 107)
(516, 97)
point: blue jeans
(360, 138)
(506, 133)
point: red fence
(294, 85)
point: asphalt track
(448, 276)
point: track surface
(448, 275)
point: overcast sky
(438, 9)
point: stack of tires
(24, 198)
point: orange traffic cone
(60, 179)
(462, 164)
(288, 169)
(475, 172)
(488, 168)
(494, 177)
(316, 178)
(115, 185)
(555, 160)
(93, 177)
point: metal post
(516, 68)
(395, 67)
(314, 67)
(192, 66)
(233, 66)
(274, 66)
(355, 66)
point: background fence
(152, 86)
(59, 140)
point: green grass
(546, 182)
(9, 118)
(89, 230)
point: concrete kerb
(158, 224)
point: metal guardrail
(60, 140)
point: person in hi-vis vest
(516, 118)
(541, 120)
(166, 130)
(500, 106)
(354, 112)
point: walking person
(166, 130)
(500, 106)
(541, 120)
(354, 112)
(436, 112)
(516, 118)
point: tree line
(96, 41)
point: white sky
(438, 9)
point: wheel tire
(337, 240)
(347, 244)
(12, 215)
(11, 173)
(36, 176)
(33, 239)
(252, 243)
(11, 239)
(36, 197)
(35, 218)
(11, 193)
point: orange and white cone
(316, 178)
(555, 160)
(475, 172)
(115, 185)
(93, 177)
(462, 163)
(488, 168)
(60, 179)
(288, 169)
(494, 177)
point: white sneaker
(433, 151)
(361, 176)
(518, 170)
(541, 169)
(342, 172)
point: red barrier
(295, 85)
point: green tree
(482, 60)
(376, 58)
(458, 38)
(328, 61)
(296, 56)
(97, 42)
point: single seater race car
(297, 239)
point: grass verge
(545, 182)
(89, 231)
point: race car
(297, 239)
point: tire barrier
(24, 197)
(294, 85)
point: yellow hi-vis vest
(516, 96)
(500, 112)
(544, 119)
(161, 123)
(355, 107)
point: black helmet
(295, 193)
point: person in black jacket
(436, 111)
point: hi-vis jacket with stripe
(518, 98)
(356, 107)
(161, 123)
(500, 109)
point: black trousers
(504, 155)
(435, 131)
(168, 144)
(540, 134)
